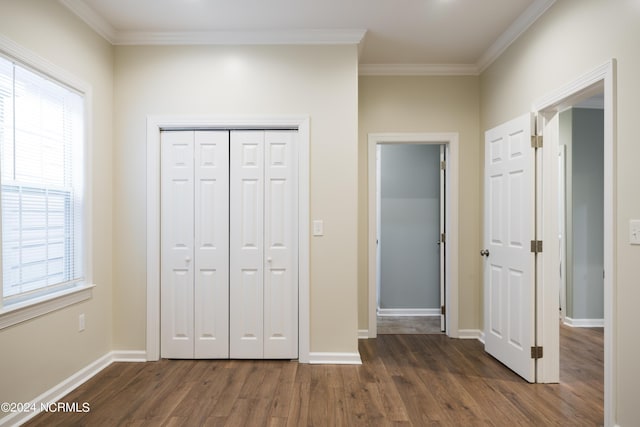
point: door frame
(450, 140)
(562, 227)
(176, 122)
(600, 79)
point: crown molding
(275, 37)
(91, 18)
(309, 37)
(418, 70)
(515, 30)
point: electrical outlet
(81, 323)
(634, 232)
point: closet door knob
(187, 259)
(269, 259)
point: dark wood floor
(409, 380)
(408, 325)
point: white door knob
(187, 258)
(269, 259)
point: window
(42, 186)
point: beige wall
(40, 353)
(427, 104)
(244, 80)
(571, 39)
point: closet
(229, 256)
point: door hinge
(443, 165)
(536, 141)
(536, 246)
(443, 237)
(536, 352)
(442, 310)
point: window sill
(31, 309)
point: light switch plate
(634, 232)
(318, 227)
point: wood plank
(405, 380)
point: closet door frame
(154, 126)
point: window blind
(41, 141)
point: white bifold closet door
(229, 244)
(263, 245)
(195, 241)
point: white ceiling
(408, 36)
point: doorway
(546, 289)
(581, 204)
(582, 208)
(410, 200)
(449, 244)
(599, 80)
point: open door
(509, 230)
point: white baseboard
(363, 334)
(66, 386)
(584, 323)
(471, 334)
(129, 356)
(327, 358)
(408, 312)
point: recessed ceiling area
(467, 34)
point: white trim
(363, 334)
(129, 356)
(33, 308)
(58, 391)
(69, 384)
(418, 70)
(583, 87)
(602, 78)
(515, 30)
(308, 37)
(451, 248)
(154, 125)
(250, 37)
(471, 334)
(43, 66)
(399, 312)
(254, 37)
(94, 20)
(584, 323)
(329, 358)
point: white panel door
(194, 242)
(211, 260)
(280, 246)
(509, 288)
(246, 245)
(177, 273)
(263, 245)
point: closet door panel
(281, 263)
(246, 244)
(211, 287)
(177, 274)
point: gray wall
(585, 230)
(410, 218)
